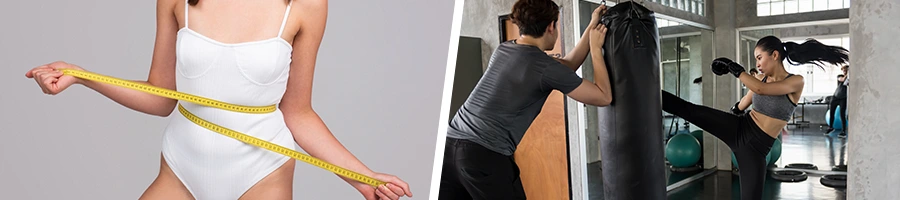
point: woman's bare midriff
(771, 126)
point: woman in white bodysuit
(230, 51)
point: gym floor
(724, 185)
(806, 145)
(811, 145)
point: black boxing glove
(735, 110)
(721, 66)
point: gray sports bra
(779, 107)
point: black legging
(838, 102)
(749, 143)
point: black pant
(838, 102)
(471, 171)
(749, 143)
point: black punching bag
(630, 143)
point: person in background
(839, 98)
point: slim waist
(755, 135)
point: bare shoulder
(307, 16)
(310, 8)
(314, 4)
(166, 4)
(796, 79)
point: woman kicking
(750, 136)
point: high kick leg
(721, 124)
(749, 143)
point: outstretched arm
(162, 71)
(308, 129)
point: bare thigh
(166, 186)
(277, 185)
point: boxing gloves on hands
(721, 66)
(735, 110)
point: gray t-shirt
(509, 96)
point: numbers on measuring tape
(279, 149)
(222, 130)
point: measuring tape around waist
(163, 92)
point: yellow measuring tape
(163, 92)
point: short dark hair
(533, 16)
(194, 2)
(754, 71)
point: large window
(819, 82)
(780, 7)
(692, 6)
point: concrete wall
(673, 30)
(816, 30)
(481, 20)
(720, 91)
(873, 156)
(799, 31)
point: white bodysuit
(211, 165)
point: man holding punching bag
(484, 133)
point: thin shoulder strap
(764, 79)
(186, 5)
(287, 12)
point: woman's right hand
(51, 79)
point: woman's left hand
(394, 189)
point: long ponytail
(810, 52)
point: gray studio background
(378, 87)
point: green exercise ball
(733, 160)
(699, 135)
(683, 150)
(774, 153)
